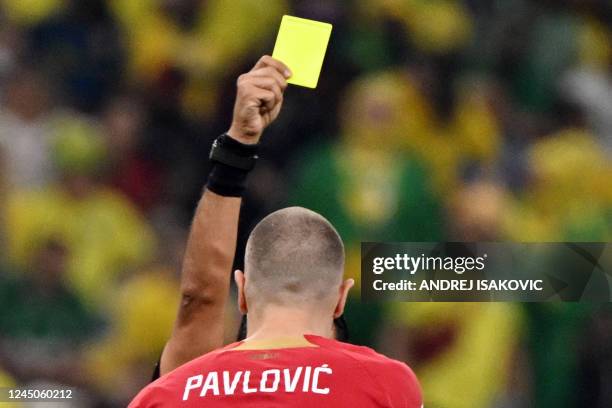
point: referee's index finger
(267, 60)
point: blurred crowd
(464, 120)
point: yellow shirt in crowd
(103, 233)
(472, 369)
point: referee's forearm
(205, 280)
(210, 253)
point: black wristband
(232, 162)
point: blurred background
(474, 120)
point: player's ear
(344, 290)
(239, 279)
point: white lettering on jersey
(230, 386)
(306, 379)
(245, 383)
(291, 384)
(315, 379)
(271, 381)
(192, 383)
(264, 380)
(211, 384)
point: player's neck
(280, 322)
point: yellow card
(301, 45)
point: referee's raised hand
(259, 98)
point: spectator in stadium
(104, 234)
(371, 182)
(596, 358)
(436, 28)
(131, 170)
(25, 134)
(567, 197)
(291, 291)
(198, 38)
(463, 353)
(84, 33)
(44, 323)
(119, 362)
(587, 83)
(564, 200)
(39, 303)
(391, 201)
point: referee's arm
(206, 271)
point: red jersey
(331, 374)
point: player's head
(295, 259)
